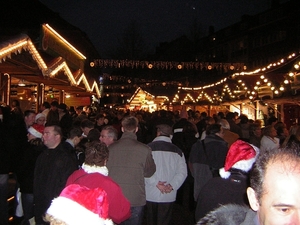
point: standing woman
(94, 175)
(33, 149)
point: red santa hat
(77, 205)
(36, 130)
(241, 155)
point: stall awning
(20, 58)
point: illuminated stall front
(143, 100)
(55, 71)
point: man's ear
(252, 199)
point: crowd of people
(136, 165)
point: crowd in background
(22, 135)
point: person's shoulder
(226, 214)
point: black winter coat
(53, 167)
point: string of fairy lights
(232, 87)
(264, 86)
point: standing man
(108, 135)
(53, 167)
(171, 171)
(52, 116)
(130, 161)
(75, 136)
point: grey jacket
(230, 214)
(130, 161)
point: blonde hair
(53, 221)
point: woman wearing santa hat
(33, 149)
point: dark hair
(15, 103)
(129, 123)
(93, 135)
(96, 153)
(213, 129)
(271, 120)
(221, 115)
(28, 112)
(86, 123)
(75, 132)
(257, 175)
(98, 116)
(267, 130)
(54, 103)
(230, 116)
(46, 105)
(244, 119)
(203, 114)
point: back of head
(203, 115)
(129, 123)
(54, 103)
(224, 124)
(272, 120)
(221, 115)
(96, 154)
(213, 129)
(230, 116)
(46, 105)
(164, 130)
(86, 123)
(93, 135)
(243, 119)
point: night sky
(104, 21)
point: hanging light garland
(167, 65)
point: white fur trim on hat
(40, 115)
(73, 213)
(34, 132)
(224, 174)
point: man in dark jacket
(216, 147)
(130, 161)
(207, 157)
(53, 167)
(74, 138)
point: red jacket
(119, 206)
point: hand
(163, 187)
